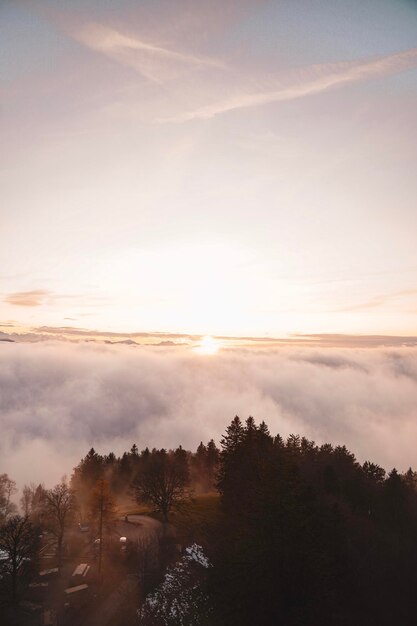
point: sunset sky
(223, 167)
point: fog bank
(57, 400)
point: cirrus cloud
(308, 82)
(154, 62)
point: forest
(257, 530)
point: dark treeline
(310, 536)
(306, 533)
(142, 474)
(298, 534)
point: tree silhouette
(7, 489)
(304, 534)
(59, 506)
(163, 480)
(19, 545)
(181, 599)
(103, 514)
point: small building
(76, 597)
(48, 573)
(81, 570)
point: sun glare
(208, 345)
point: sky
(208, 209)
(222, 168)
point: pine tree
(233, 437)
(181, 599)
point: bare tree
(103, 513)
(142, 560)
(7, 489)
(59, 504)
(163, 480)
(26, 499)
(19, 545)
(38, 505)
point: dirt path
(137, 528)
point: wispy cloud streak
(35, 297)
(378, 301)
(146, 58)
(311, 81)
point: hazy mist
(58, 400)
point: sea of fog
(59, 399)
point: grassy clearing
(195, 520)
(132, 508)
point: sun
(208, 345)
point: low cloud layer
(58, 400)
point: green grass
(193, 521)
(132, 508)
(196, 519)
